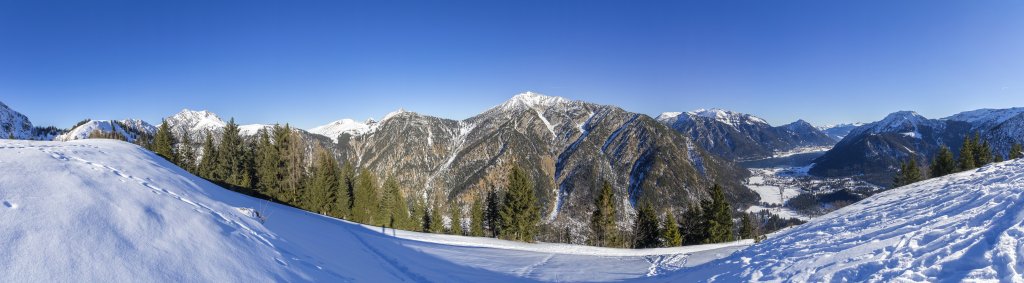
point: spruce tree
(966, 161)
(208, 161)
(1016, 151)
(519, 211)
(693, 225)
(492, 219)
(395, 209)
(365, 209)
(476, 219)
(456, 218)
(747, 227)
(645, 228)
(427, 221)
(909, 173)
(602, 221)
(319, 194)
(267, 160)
(670, 236)
(163, 142)
(982, 154)
(436, 222)
(291, 167)
(719, 219)
(943, 163)
(230, 157)
(187, 154)
(346, 198)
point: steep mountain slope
(109, 211)
(874, 150)
(567, 147)
(962, 227)
(741, 136)
(14, 124)
(839, 131)
(131, 129)
(343, 126)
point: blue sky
(311, 62)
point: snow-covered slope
(839, 131)
(108, 211)
(13, 124)
(962, 227)
(129, 128)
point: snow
(109, 211)
(801, 150)
(987, 116)
(195, 123)
(253, 129)
(343, 126)
(532, 100)
(106, 126)
(728, 117)
(14, 124)
(962, 227)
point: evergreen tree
(436, 222)
(602, 221)
(694, 225)
(719, 220)
(319, 194)
(966, 161)
(1016, 151)
(747, 227)
(365, 208)
(267, 160)
(291, 171)
(231, 163)
(982, 154)
(492, 219)
(645, 228)
(456, 217)
(909, 173)
(943, 163)
(476, 219)
(208, 162)
(395, 209)
(670, 236)
(427, 221)
(519, 212)
(163, 142)
(187, 154)
(997, 158)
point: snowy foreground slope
(963, 227)
(108, 211)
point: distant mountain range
(570, 147)
(739, 136)
(874, 151)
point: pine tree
(602, 221)
(492, 219)
(909, 173)
(747, 227)
(719, 219)
(267, 160)
(427, 221)
(208, 162)
(456, 218)
(346, 198)
(982, 154)
(291, 169)
(694, 225)
(395, 209)
(943, 163)
(519, 211)
(365, 208)
(230, 157)
(319, 194)
(670, 236)
(436, 222)
(966, 161)
(1016, 151)
(187, 154)
(645, 228)
(476, 219)
(163, 142)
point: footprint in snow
(10, 205)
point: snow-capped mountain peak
(989, 117)
(130, 129)
(531, 99)
(728, 117)
(13, 123)
(197, 120)
(348, 126)
(665, 116)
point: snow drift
(109, 211)
(962, 227)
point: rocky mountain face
(14, 124)
(738, 136)
(874, 151)
(568, 147)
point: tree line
(973, 153)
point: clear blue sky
(311, 62)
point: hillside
(739, 136)
(108, 211)
(962, 227)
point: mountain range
(739, 136)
